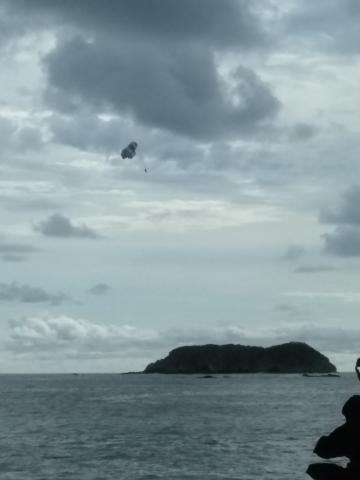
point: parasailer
(129, 151)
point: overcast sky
(246, 227)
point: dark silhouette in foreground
(344, 441)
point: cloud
(327, 25)
(102, 57)
(58, 225)
(43, 336)
(286, 308)
(16, 248)
(10, 257)
(325, 338)
(99, 289)
(18, 138)
(314, 269)
(79, 336)
(344, 241)
(28, 294)
(348, 213)
(91, 133)
(293, 252)
(15, 252)
(195, 100)
(228, 24)
(303, 132)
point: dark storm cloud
(58, 225)
(176, 90)
(154, 62)
(28, 294)
(221, 24)
(99, 289)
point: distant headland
(293, 357)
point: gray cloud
(293, 252)
(348, 213)
(222, 25)
(314, 269)
(344, 241)
(28, 294)
(99, 289)
(286, 308)
(15, 252)
(172, 44)
(88, 132)
(58, 225)
(14, 248)
(11, 258)
(80, 338)
(18, 138)
(327, 24)
(302, 132)
(194, 101)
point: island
(292, 357)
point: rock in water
(293, 357)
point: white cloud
(65, 337)
(76, 336)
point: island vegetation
(293, 357)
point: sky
(245, 228)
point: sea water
(168, 427)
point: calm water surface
(151, 427)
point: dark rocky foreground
(344, 441)
(293, 357)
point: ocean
(165, 427)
